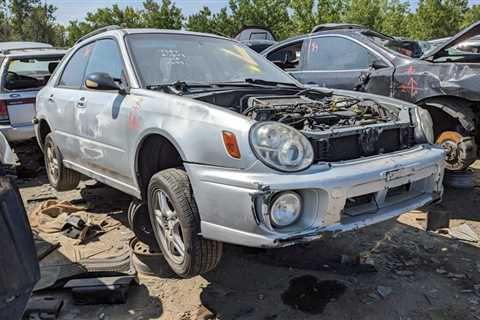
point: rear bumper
(17, 133)
(234, 204)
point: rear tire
(59, 176)
(176, 224)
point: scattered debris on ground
(393, 270)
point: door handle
(81, 102)
(50, 98)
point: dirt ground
(419, 275)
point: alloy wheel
(168, 226)
(53, 165)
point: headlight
(424, 129)
(281, 147)
(285, 209)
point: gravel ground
(419, 275)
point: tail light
(3, 110)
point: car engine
(307, 114)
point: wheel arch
(155, 151)
(44, 129)
(445, 108)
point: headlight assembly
(424, 128)
(281, 147)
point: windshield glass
(409, 48)
(30, 73)
(168, 58)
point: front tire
(176, 224)
(59, 176)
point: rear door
(62, 100)
(23, 78)
(333, 61)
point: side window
(106, 58)
(335, 53)
(287, 57)
(72, 76)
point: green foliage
(437, 18)
(164, 16)
(471, 16)
(306, 14)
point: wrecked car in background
(223, 146)
(442, 81)
(25, 68)
(257, 38)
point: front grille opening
(360, 205)
(398, 191)
(349, 147)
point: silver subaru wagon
(223, 146)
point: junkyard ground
(419, 275)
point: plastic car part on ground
(19, 269)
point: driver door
(333, 62)
(101, 116)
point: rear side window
(30, 73)
(73, 73)
(335, 53)
(106, 58)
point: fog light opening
(285, 209)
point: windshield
(168, 58)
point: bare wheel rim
(52, 163)
(168, 227)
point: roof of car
(348, 32)
(10, 45)
(337, 26)
(28, 48)
(110, 30)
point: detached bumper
(234, 205)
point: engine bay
(307, 114)
(306, 110)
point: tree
(127, 18)
(305, 15)
(5, 27)
(201, 21)
(31, 20)
(266, 13)
(471, 16)
(364, 12)
(437, 18)
(394, 20)
(165, 16)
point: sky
(76, 9)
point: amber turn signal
(231, 145)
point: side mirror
(102, 81)
(379, 64)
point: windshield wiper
(254, 83)
(181, 87)
(269, 82)
(178, 87)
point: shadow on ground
(419, 275)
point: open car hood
(463, 35)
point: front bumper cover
(233, 204)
